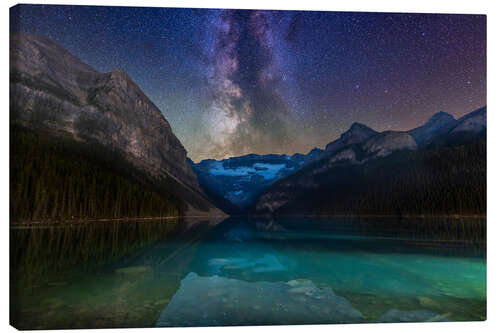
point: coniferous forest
(448, 179)
(60, 179)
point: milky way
(246, 111)
(233, 82)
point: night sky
(235, 82)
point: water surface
(247, 272)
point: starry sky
(233, 82)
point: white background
(423, 6)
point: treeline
(59, 179)
(441, 181)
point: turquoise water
(248, 272)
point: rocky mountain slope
(438, 124)
(374, 174)
(54, 93)
(357, 133)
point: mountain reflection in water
(247, 271)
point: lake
(247, 271)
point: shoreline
(352, 216)
(405, 216)
(84, 220)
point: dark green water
(247, 271)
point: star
(231, 82)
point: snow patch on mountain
(266, 170)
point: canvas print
(214, 167)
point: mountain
(55, 95)
(388, 174)
(474, 122)
(465, 129)
(304, 159)
(357, 133)
(234, 183)
(438, 124)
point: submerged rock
(254, 303)
(399, 316)
(427, 302)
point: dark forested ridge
(443, 179)
(59, 178)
